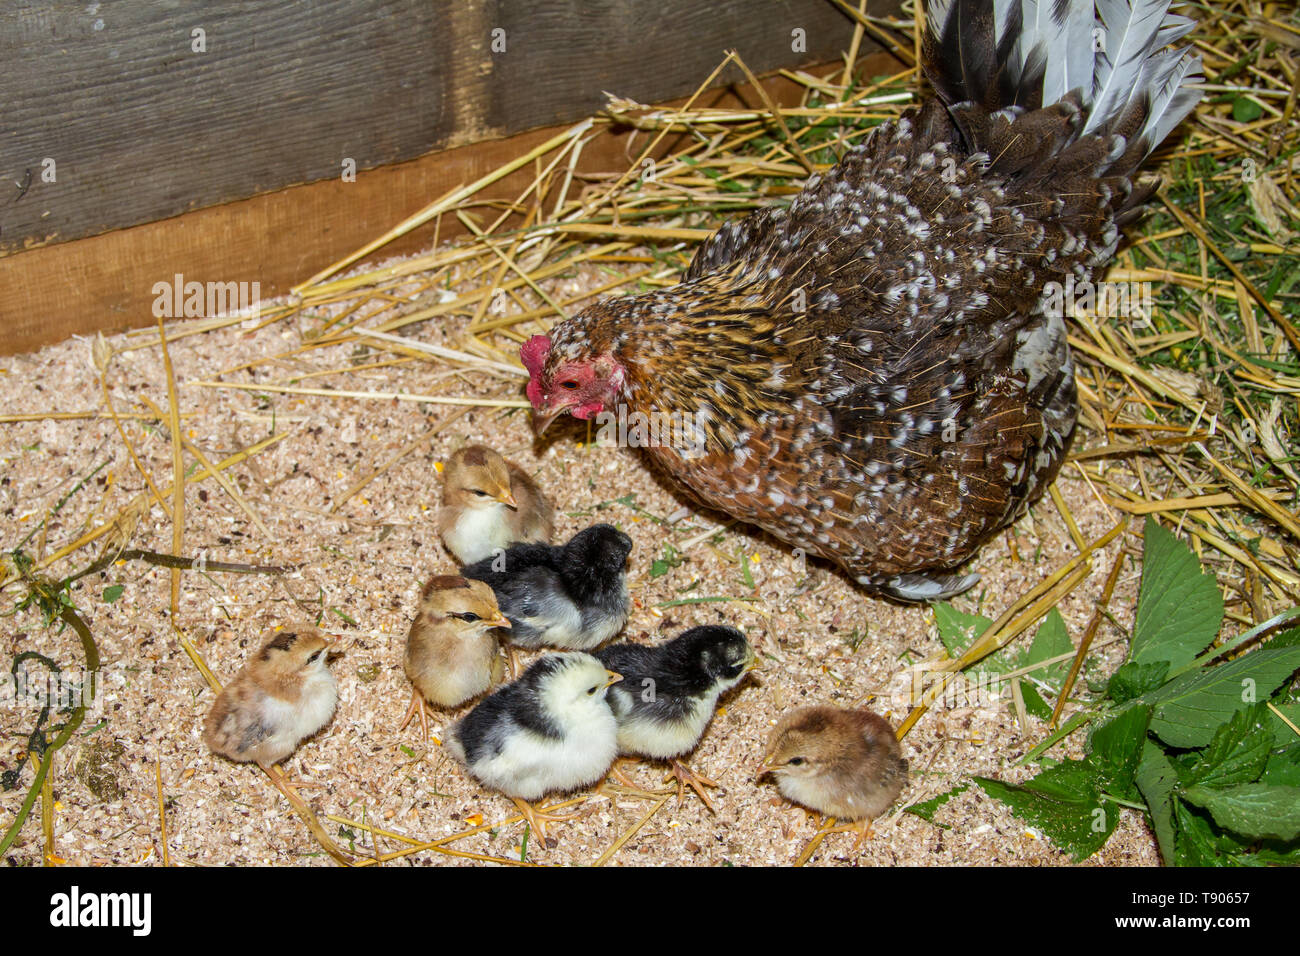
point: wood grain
(141, 125)
(105, 282)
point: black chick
(573, 596)
(669, 693)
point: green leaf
(1254, 810)
(1179, 607)
(1132, 680)
(1068, 801)
(1283, 769)
(1034, 703)
(1281, 732)
(1052, 640)
(1198, 844)
(1065, 802)
(1289, 638)
(926, 809)
(958, 631)
(113, 592)
(1191, 708)
(1156, 779)
(672, 558)
(1238, 752)
(1117, 750)
(1246, 110)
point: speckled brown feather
(872, 368)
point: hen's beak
(542, 419)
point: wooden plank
(140, 123)
(105, 282)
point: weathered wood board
(115, 114)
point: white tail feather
(1112, 56)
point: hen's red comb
(533, 353)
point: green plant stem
(73, 620)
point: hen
(875, 374)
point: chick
(452, 652)
(283, 695)
(842, 763)
(573, 596)
(488, 504)
(669, 693)
(551, 730)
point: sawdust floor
(361, 570)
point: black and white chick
(571, 596)
(550, 731)
(669, 693)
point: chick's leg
(862, 828)
(617, 776)
(417, 707)
(537, 818)
(616, 772)
(686, 777)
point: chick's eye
(569, 384)
(795, 761)
(467, 616)
(481, 494)
(593, 690)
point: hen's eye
(570, 385)
(795, 761)
(467, 616)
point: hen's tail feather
(1004, 57)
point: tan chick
(283, 695)
(844, 764)
(452, 654)
(489, 504)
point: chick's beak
(613, 678)
(499, 621)
(507, 499)
(766, 767)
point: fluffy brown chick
(489, 503)
(842, 763)
(452, 653)
(284, 694)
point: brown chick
(284, 694)
(488, 504)
(452, 653)
(842, 763)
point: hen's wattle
(873, 371)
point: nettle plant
(1203, 742)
